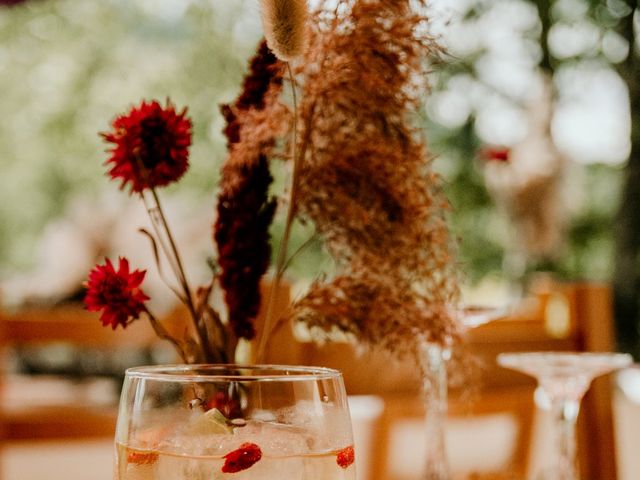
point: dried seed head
(368, 184)
(284, 23)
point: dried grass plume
(284, 23)
(367, 181)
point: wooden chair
(72, 325)
(76, 417)
(476, 430)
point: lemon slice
(211, 422)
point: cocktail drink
(237, 422)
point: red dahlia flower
(116, 293)
(151, 146)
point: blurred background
(533, 121)
(529, 122)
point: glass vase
(434, 360)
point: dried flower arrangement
(367, 182)
(360, 173)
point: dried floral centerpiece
(360, 173)
(150, 151)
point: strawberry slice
(242, 458)
(346, 457)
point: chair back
(47, 408)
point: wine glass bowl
(564, 364)
(563, 378)
(564, 374)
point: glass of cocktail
(207, 422)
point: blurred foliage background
(494, 53)
(67, 68)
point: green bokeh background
(68, 67)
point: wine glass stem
(566, 413)
(434, 365)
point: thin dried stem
(163, 334)
(152, 211)
(156, 257)
(281, 260)
(173, 256)
(299, 250)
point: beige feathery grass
(284, 23)
(368, 184)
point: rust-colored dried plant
(367, 182)
(245, 209)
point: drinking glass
(206, 422)
(563, 378)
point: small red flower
(151, 146)
(141, 458)
(242, 458)
(496, 154)
(346, 457)
(116, 293)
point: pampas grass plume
(284, 26)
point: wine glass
(563, 379)
(434, 358)
(204, 422)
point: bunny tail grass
(284, 23)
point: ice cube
(275, 439)
(327, 425)
(209, 422)
(210, 444)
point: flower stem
(281, 262)
(182, 279)
(163, 334)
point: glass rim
(221, 372)
(509, 357)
